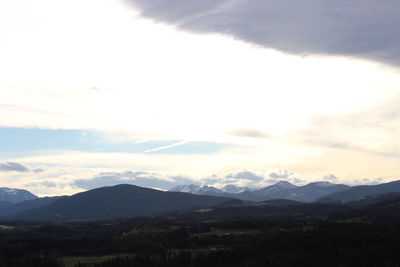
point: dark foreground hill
(9, 208)
(234, 234)
(360, 192)
(376, 208)
(117, 202)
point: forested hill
(117, 202)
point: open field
(5, 227)
(90, 260)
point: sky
(168, 92)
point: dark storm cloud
(13, 166)
(361, 28)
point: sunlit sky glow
(89, 87)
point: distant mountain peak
(275, 188)
(322, 184)
(233, 189)
(185, 188)
(15, 195)
(11, 191)
(196, 189)
(284, 184)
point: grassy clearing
(228, 232)
(203, 210)
(73, 261)
(6, 227)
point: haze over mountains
(122, 201)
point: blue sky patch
(17, 142)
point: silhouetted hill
(271, 210)
(374, 200)
(359, 192)
(117, 201)
(282, 202)
(14, 208)
(377, 208)
(383, 208)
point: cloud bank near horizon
(73, 182)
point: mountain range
(108, 203)
(122, 201)
(281, 190)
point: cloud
(139, 178)
(286, 175)
(281, 174)
(46, 183)
(206, 85)
(368, 181)
(253, 133)
(365, 29)
(298, 181)
(245, 175)
(13, 166)
(155, 180)
(17, 167)
(330, 177)
(255, 179)
(214, 179)
(372, 131)
(372, 181)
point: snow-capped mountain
(313, 191)
(281, 190)
(233, 189)
(191, 188)
(198, 190)
(209, 189)
(15, 195)
(322, 184)
(275, 188)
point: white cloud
(312, 114)
(331, 177)
(281, 174)
(245, 175)
(163, 83)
